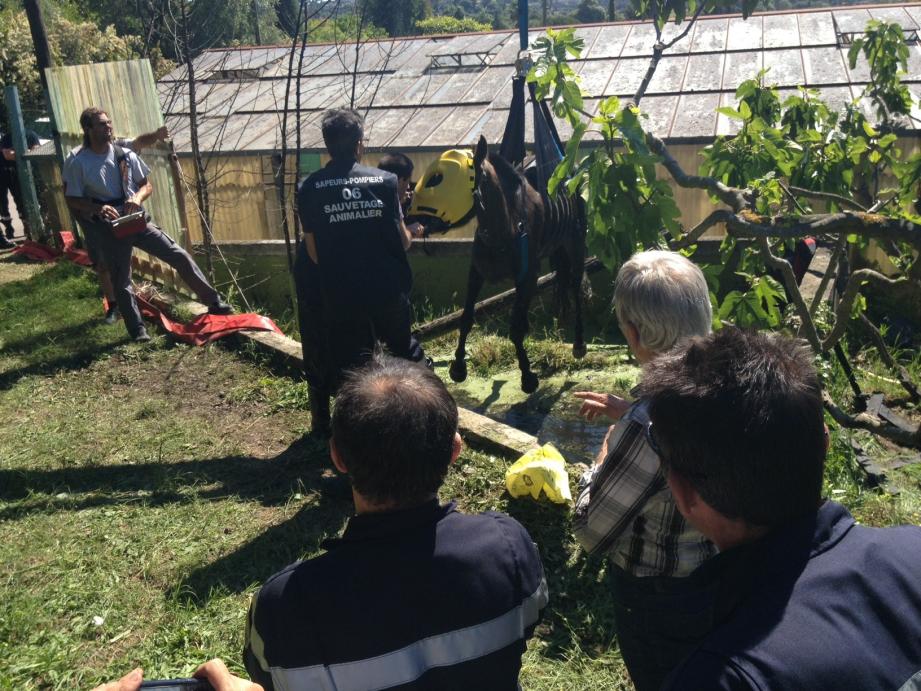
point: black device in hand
(177, 685)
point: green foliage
(758, 306)
(799, 142)
(396, 18)
(663, 11)
(590, 11)
(884, 47)
(628, 206)
(449, 25)
(342, 28)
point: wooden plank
(488, 435)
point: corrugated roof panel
(816, 28)
(595, 75)
(914, 63)
(914, 11)
(893, 14)
(381, 126)
(610, 42)
(391, 89)
(424, 87)
(490, 43)
(640, 41)
(491, 126)
(695, 116)
(745, 34)
(453, 128)
(456, 44)
(851, 20)
(669, 75)
(861, 70)
(419, 126)
(588, 34)
(786, 67)
(627, 76)
(823, 66)
(740, 67)
(726, 126)
(508, 53)
(660, 111)
(457, 86)
(492, 81)
(314, 56)
(781, 31)
(837, 97)
(705, 72)
(710, 35)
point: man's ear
(686, 497)
(456, 447)
(337, 458)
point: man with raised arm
(808, 599)
(625, 510)
(104, 182)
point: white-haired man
(625, 510)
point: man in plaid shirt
(625, 509)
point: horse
(518, 226)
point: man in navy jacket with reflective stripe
(807, 599)
(414, 595)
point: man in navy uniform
(807, 598)
(352, 275)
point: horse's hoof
(579, 350)
(529, 382)
(458, 371)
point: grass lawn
(147, 491)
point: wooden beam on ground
(478, 431)
(451, 321)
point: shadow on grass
(581, 611)
(268, 481)
(75, 360)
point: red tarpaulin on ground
(201, 330)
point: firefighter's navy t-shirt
(354, 214)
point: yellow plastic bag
(540, 470)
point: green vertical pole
(35, 229)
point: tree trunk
(201, 184)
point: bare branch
(793, 292)
(828, 196)
(872, 424)
(851, 291)
(868, 225)
(700, 8)
(735, 199)
(693, 235)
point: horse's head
(443, 197)
(500, 197)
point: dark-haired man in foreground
(414, 594)
(808, 599)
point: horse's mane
(510, 178)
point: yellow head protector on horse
(445, 191)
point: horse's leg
(458, 369)
(519, 329)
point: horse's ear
(479, 155)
